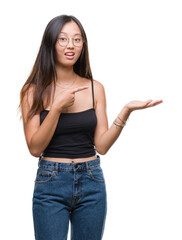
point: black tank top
(74, 134)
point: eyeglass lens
(64, 40)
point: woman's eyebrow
(74, 34)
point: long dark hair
(44, 72)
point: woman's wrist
(125, 113)
(122, 117)
(127, 109)
(55, 109)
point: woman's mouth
(69, 55)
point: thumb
(79, 89)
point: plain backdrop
(136, 53)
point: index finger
(79, 89)
(154, 103)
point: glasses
(64, 40)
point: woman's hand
(66, 98)
(136, 105)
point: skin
(76, 97)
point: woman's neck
(65, 75)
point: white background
(136, 53)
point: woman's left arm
(104, 136)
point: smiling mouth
(69, 54)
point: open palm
(136, 105)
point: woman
(65, 124)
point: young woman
(65, 124)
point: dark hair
(44, 72)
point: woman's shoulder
(28, 91)
(99, 92)
(98, 86)
(29, 88)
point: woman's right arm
(38, 136)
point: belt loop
(57, 164)
(87, 167)
(40, 158)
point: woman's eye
(63, 39)
(77, 39)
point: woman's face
(69, 44)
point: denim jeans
(74, 192)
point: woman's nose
(70, 43)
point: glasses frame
(72, 39)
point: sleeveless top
(74, 134)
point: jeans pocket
(96, 174)
(44, 175)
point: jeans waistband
(69, 166)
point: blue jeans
(69, 191)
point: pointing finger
(79, 89)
